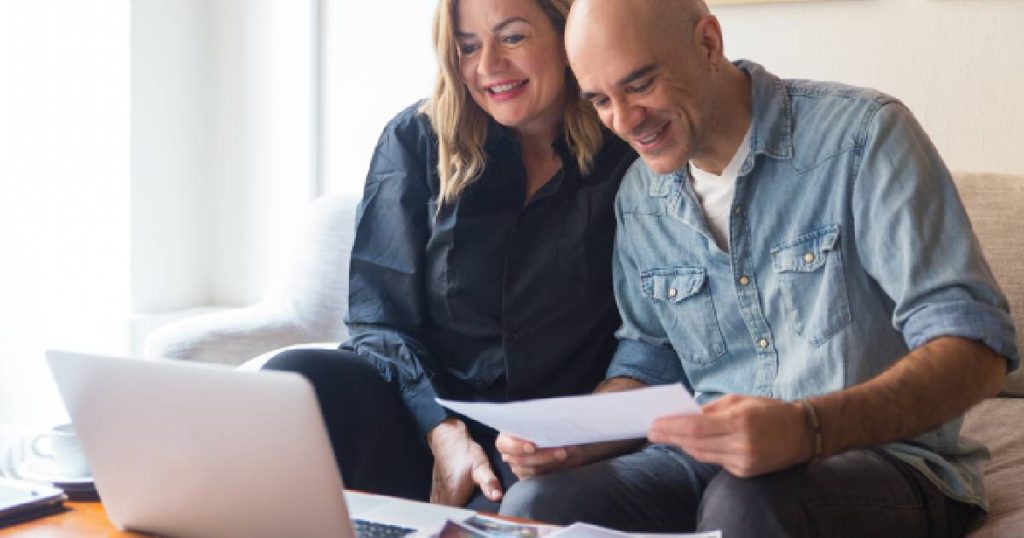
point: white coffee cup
(61, 445)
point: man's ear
(707, 35)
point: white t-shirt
(715, 192)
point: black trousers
(376, 443)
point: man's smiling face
(652, 90)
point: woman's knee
(294, 360)
(323, 364)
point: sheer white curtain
(378, 59)
(154, 155)
(64, 192)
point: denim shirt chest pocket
(813, 283)
(683, 302)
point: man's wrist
(590, 453)
(619, 383)
(814, 438)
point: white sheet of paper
(574, 420)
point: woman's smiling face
(512, 60)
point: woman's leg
(376, 443)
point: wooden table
(87, 519)
(80, 519)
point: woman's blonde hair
(461, 125)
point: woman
(481, 263)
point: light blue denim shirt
(849, 246)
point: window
(378, 58)
(64, 208)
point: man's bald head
(654, 70)
(662, 24)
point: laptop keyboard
(370, 529)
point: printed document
(575, 420)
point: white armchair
(307, 305)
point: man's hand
(747, 436)
(525, 459)
(460, 465)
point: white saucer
(40, 470)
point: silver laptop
(186, 449)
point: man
(795, 252)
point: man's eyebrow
(633, 76)
(636, 74)
(497, 27)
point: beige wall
(958, 64)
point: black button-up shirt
(486, 298)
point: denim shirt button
(672, 292)
(738, 210)
(809, 257)
(744, 280)
(762, 343)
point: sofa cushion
(994, 204)
(996, 422)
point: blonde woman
(482, 259)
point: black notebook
(21, 501)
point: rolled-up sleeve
(644, 352)
(928, 260)
(647, 363)
(387, 300)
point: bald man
(795, 253)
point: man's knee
(761, 506)
(563, 498)
(536, 498)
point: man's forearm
(600, 451)
(929, 386)
(618, 384)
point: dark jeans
(376, 443)
(661, 489)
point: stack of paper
(484, 527)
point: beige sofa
(996, 207)
(307, 306)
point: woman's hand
(460, 466)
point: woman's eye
(514, 39)
(599, 102)
(468, 48)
